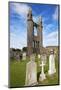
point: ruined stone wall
(33, 42)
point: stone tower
(33, 42)
(40, 34)
(29, 32)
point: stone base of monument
(50, 72)
(33, 84)
(42, 77)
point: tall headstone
(24, 56)
(38, 56)
(18, 57)
(31, 73)
(42, 75)
(52, 68)
(32, 57)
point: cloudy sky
(18, 23)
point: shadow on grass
(38, 74)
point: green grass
(18, 73)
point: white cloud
(37, 18)
(48, 27)
(20, 9)
(18, 38)
(50, 39)
(18, 41)
(53, 34)
(55, 15)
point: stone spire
(40, 31)
(30, 11)
(40, 20)
(29, 15)
(30, 26)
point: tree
(18, 50)
(24, 49)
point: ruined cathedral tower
(34, 42)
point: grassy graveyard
(18, 72)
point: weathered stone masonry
(34, 43)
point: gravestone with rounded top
(24, 56)
(38, 56)
(31, 72)
(17, 57)
(52, 68)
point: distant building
(56, 48)
(52, 47)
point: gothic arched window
(35, 31)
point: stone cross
(42, 75)
(43, 58)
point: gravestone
(18, 57)
(32, 57)
(24, 56)
(31, 72)
(38, 56)
(52, 68)
(42, 75)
